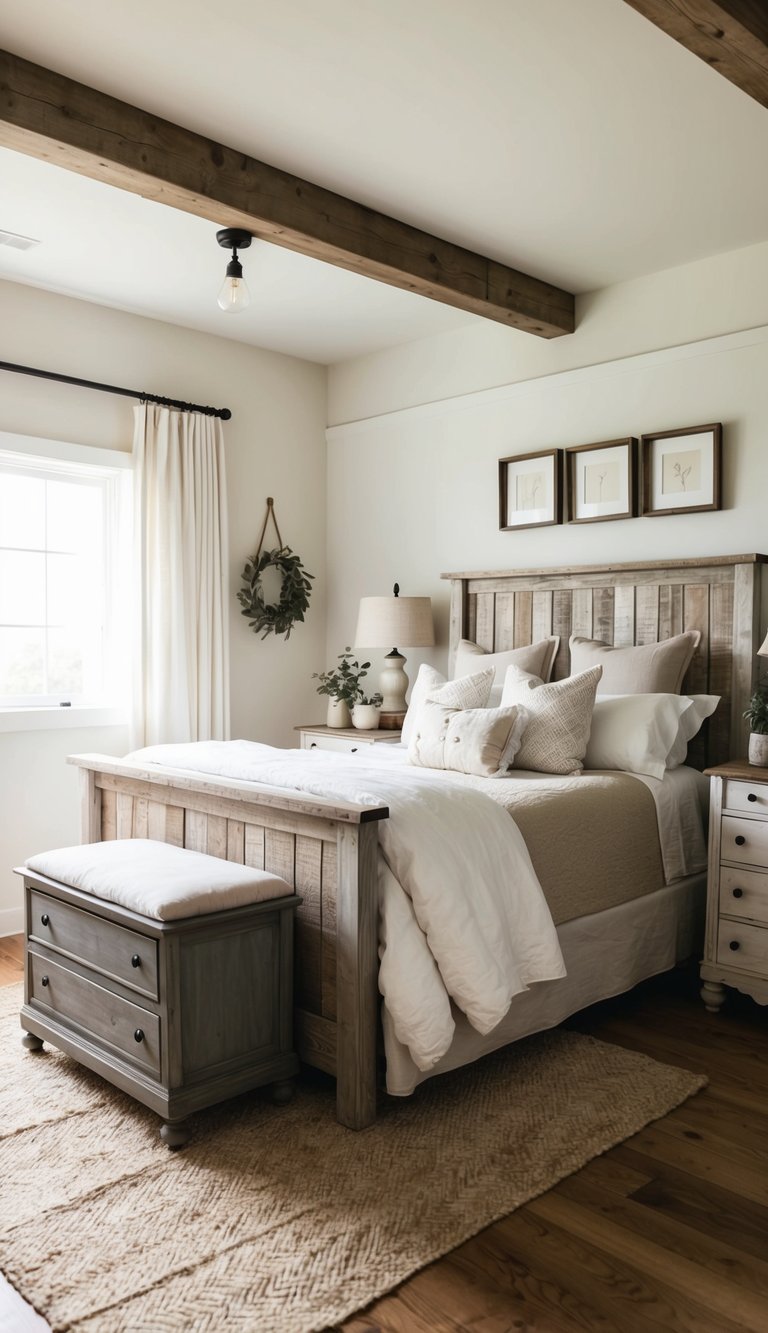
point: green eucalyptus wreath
(276, 617)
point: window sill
(58, 719)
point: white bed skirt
(605, 954)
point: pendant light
(234, 295)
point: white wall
(413, 490)
(274, 446)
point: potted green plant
(342, 687)
(366, 710)
(757, 716)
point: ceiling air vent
(17, 242)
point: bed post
(357, 965)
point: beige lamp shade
(387, 622)
(763, 649)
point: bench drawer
(749, 798)
(114, 951)
(106, 1016)
(743, 946)
(744, 840)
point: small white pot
(366, 716)
(758, 750)
(338, 714)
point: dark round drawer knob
(45, 919)
(313, 746)
(751, 796)
(135, 961)
(353, 750)
(139, 1035)
(44, 981)
(734, 944)
(738, 893)
(739, 840)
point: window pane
(74, 516)
(65, 663)
(22, 659)
(22, 511)
(22, 588)
(75, 591)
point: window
(63, 609)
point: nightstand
(346, 740)
(736, 945)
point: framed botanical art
(530, 490)
(682, 470)
(601, 481)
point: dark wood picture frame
(647, 445)
(572, 455)
(557, 489)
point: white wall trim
(57, 719)
(11, 920)
(479, 398)
(64, 451)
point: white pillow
(482, 741)
(469, 692)
(560, 714)
(645, 733)
(535, 658)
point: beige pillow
(470, 692)
(537, 658)
(481, 741)
(650, 668)
(559, 719)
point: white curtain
(181, 663)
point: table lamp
(383, 621)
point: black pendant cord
(222, 412)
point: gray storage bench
(167, 971)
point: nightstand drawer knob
(738, 893)
(313, 746)
(739, 840)
(43, 981)
(139, 1035)
(135, 961)
(751, 796)
(734, 944)
(353, 750)
(45, 919)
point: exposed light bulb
(234, 295)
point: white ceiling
(573, 141)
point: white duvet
(462, 914)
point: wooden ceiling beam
(46, 115)
(730, 35)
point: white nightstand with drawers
(736, 944)
(347, 740)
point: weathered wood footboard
(326, 849)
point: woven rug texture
(278, 1220)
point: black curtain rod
(222, 412)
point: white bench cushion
(157, 879)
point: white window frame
(111, 469)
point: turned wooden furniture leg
(713, 995)
(32, 1043)
(174, 1133)
(357, 914)
(281, 1092)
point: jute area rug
(277, 1220)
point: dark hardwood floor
(669, 1231)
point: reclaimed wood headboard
(632, 604)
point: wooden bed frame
(328, 850)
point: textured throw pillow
(481, 741)
(645, 733)
(559, 718)
(536, 658)
(470, 692)
(650, 668)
